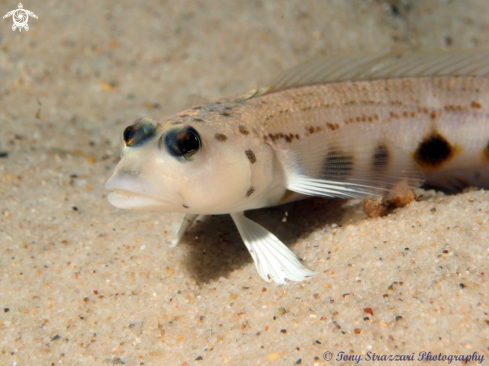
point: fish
(351, 126)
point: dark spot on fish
(225, 114)
(337, 165)
(288, 139)
(250, 191)
(330, 126)
(184, 115)
(251, 156)
(184, 206)
(228, 108)
(433, 115)
(485, 153)
(3, 154)
(475, 104)
(433, 151)
(243, 130)
(198, 107)
(380, 159)
(198, 120)
(220, 137)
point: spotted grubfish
(351, 127)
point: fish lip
(137, 201)
(129, 187)
(124, 193)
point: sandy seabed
(83, 283)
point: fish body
(350, 127)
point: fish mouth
(134, 201)
(132, 194)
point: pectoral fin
(351, 162)
(273, 260)
(188, 220)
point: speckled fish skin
(341, 127)
(451, 113)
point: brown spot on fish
(250, 191)
(220, 137)
(198, 107)
(485, 153)
(370, 119)
(331, 126)
(251, 156)
(243, 130)
(433, 115)
(184, 206)
(288, 139)
(380, 159)
(413, 114)
(225, 114)
(337, 165)
(456, 108)
(198, 120)
(311, 130)
(433, 151)
(405, 114)
(475, 104)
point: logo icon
(20, 17)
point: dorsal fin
(389, 65)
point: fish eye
(182, 142)
(139, 132)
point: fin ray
(273, 260)
(188, 220)
(389, 65)
(351, 162)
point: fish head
(180, 167)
